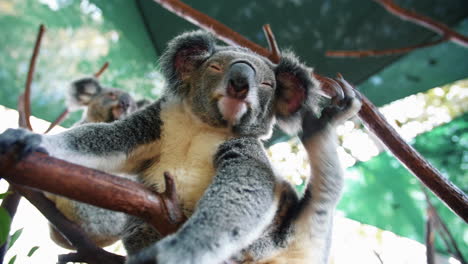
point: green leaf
(32, 250)
(12, 260)
(3, 195)
(14, 237)
(5, 221)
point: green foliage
(14, 237)
(5, 221)
(12, 260)
(386, 195)
(3, 195)
(32, 250)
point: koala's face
(102, 104)
(235, 88)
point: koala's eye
(269, 84)
(215, 67)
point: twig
(32, 65)
(378, 257)
(103, 68)
(424, 21)
(273, 46)
(449, 193)
(90, 186)
(367, 53)
(89, 252)
(445, 233)
(430, 237)
(58, 120)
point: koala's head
(101, 104)
(232, 87)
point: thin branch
(424, 21)
(445, 233)
(430, 238)
(272, 45)
(103, 68)
(367, 53)
(74, 233)
(58, 120)
(443, 188)
(32, 65)
(90, 186)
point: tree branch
(367, 53)
(90, 186)
(273, 46)
(58, 120)
(87, 249)
(32, 65)
(443, 188)
(424, 21)
(101, 70)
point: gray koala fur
(206, 130)
(100, 104)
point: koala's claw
(344, 104)
(21, 142)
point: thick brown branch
(272, 44)
(32, 65)
(57, 121)
(444, 189)
(103, 68)
(424, 21)
(430, 176)
(367, 53)
(90, 186)
(70, 230)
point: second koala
(100, 105)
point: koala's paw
(21, 142)
(343, 106)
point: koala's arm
(233, 212)
(324, 189)
(104, 146)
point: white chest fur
(186, 151)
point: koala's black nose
(241, 77)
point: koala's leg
(102, 146)
(324, 189)
(232, 213)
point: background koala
(205, 130)
(100, 104)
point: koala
(219, 103)
(100, 104)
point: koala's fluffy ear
(82, 91)
(184, 54)
(297, 91)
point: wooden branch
(368, 53)
(32, 65)
(90, 186)
(273, 46)
(430, 238)
(453, 197)
(445, 233)
(101, 70)
(424, 21)
(58, 120)
(87, 249)
(369, 114)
